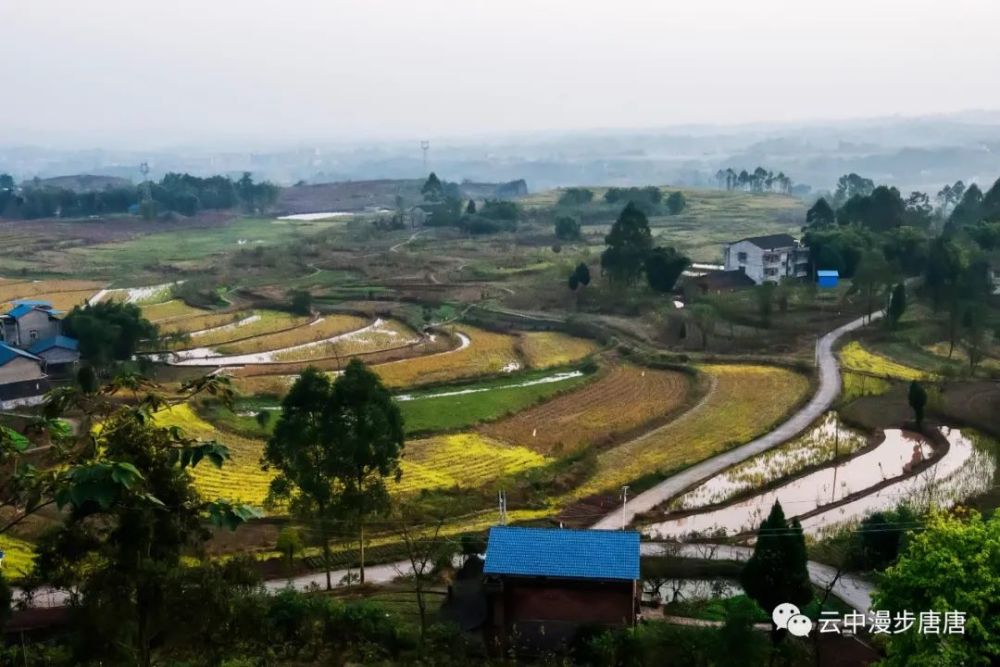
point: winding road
(826, 393)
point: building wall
(38, 321)
(20, 369)
(59, 355)
(605, 603)
(767, 265)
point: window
(741, 257)
(33, 334)
(770, 272)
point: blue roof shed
(64, 342)
(8, 354)
(827, 278)
(558, 552)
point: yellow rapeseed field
(19, 558)
(856, 358)
(329, 326)
(487, 353)
(241, 478)
(745, 402)
(544, 349)
(461, 460)
(202, 322)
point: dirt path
(413, 237)
(826, 393)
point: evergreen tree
(897, 304)
(917, 397)
(820, 214)
(628, 244)
(776, 573)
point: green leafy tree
(470, 208)
(333, 447)
(108, 331)
(776, 573)
(433, 189)
(917, 397)
(629, 241)
(575, 197)
(951, 565)
(897, 304)
(764, 295)
(676, 203)
(582, 272)
(881, 537)
(871, 278)
(663, 267)
(301, 302)
(131, 512)
(851, 185)
(820, 214)
(567, 229)
(289, 544)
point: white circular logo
(782, 613)
(800, 625)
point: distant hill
(79, 183)
(376, 194)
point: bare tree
(423, 549)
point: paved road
(854, 591)
(829, 388)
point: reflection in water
(964, 471)
(828, 440)
(677, 590)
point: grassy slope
(711, 218)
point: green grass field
(430, 411)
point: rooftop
(64, 342)
(558, 552)
(771, 241)
(8, 354)
(23, 307)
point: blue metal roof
(8, 354)
(32, 302)
(558, 552)
(24, 307)
(828, 274)
(54, 341)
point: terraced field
(208, 321)
(464, 460)
(855, 357)
(248, 324)
(62, 300)
(241, 478)
(382, 335)
(326, 327)
(622, 402)
(745, 401)
(168, 310)
(545, 349)
(19, 558)
(483, 353)
(48, 290)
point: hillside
(79, 183)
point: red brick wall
(598, 602)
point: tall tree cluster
(630, 253)
(758, 180)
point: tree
(301, 302)
(573, 282)
(423, 550)
(917, 397)
(582, 272)
(897, 304)
(872, 275)
(776, 573)
(881, 537)
(850, 185)
(108, 331)
(575, 197)
(820, 214)
(433, 189)
(676, 202)
(333, 447)
(629, 241)
(131, 512)
(567, 229)
(470, 208)
(969, 584)
(288, 544)
(663, 267)
(976, 337)
(764, 295)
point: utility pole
(425, 146)
(502, 500)
(624, 503)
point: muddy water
(806, 493)
(828, 440)
(965, 471)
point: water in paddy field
(964, 471)
(677, 590)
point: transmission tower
(425, 146)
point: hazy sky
(145, 73)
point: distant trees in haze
(175, 192)
(575, 197)
(759, 180)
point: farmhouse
(29, 321)
(60, 354)
(545, 584)
(22, 377)
(767, 259)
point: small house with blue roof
(826, 278)
(60, 353)
(544, 584)
(29, 321)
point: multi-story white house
(768, 259)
